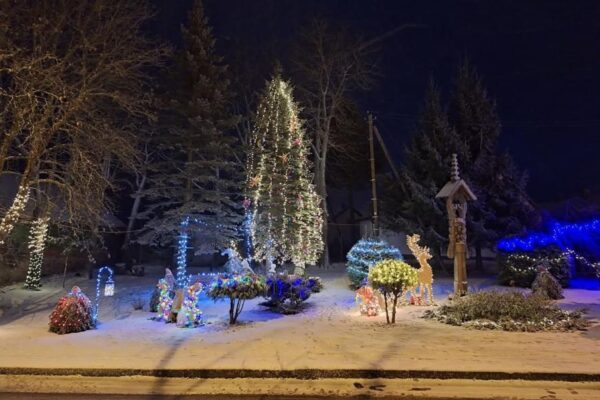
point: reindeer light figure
(425, 274)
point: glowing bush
(520, 269)
(392, 278)
(238, 289)
(73, 313)
(286, 293)
(364, 255)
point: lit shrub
(520, 269)
(238, 289)
(154, 300)
(73, 313)
(314, 283)
(286, 293)
(392, 278)
(364, 255)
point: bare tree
(332, 64)
(73, 79)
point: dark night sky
(539, 59)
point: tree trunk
(7, 223)
(238, 309)
(394, 309)
(65, 270)
(299, 269)
(321, 186)
(231, 311)
(387, 314)
(134, 212)
(479, 258)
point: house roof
(454, 187)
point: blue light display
(563, 235)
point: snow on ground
(329, 334)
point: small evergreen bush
(364, 255)
(286, 293)
(154, 300)
(509, 311)
(73, 313)
(520, 269)
(314, 283)
(392, 278)
(238, 289)
(546, 285)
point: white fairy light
(286, 216)
(12, 215)
(37, 244)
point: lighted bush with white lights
(520, 268)
(392, 278)
(364, 255)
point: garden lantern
(109, 288)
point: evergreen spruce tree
(196, 187)
(503, 206)
(409, 205)
(286, 211)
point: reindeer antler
(413, 244)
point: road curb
(304, 374)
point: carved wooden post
(457, 193)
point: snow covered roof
(453, 187)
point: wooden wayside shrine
(457, 193)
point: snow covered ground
(329, 334)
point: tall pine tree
(286, 211)
(196, 186)
(409, 204)
(503, 206)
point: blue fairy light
(106, 270)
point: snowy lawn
(329, 334)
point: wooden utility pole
(375, 217)
(386, 153)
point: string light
(37, 244)
(109, 281)
(286, 217)
(365, 254)
(535, 261)
(73, 313)
(247, 229)
(12, 215)
(393, 278)
(562, 235)
(190, 316)
(182, 246)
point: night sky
(539, 59)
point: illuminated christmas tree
(286, 214)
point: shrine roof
(451, 188)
